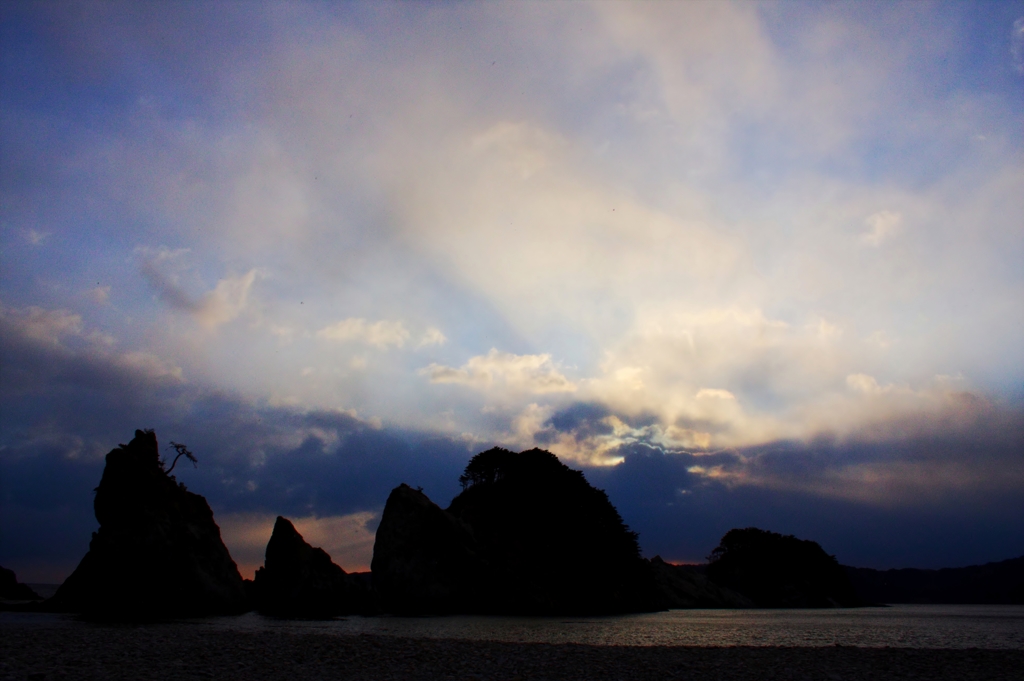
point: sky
(744, 264)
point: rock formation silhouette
(992, 583)
(425, 560)
(686, 586)
(299, 580)
(776, 571)
(13, 590)
(526, 535)
(158, 551)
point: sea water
(906, 626)
(902, 626)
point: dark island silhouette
(992, 583)
(158, 551)
(527, 535)
(777, 571)
(11, 590)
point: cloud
(881, 227)
(661, 196)
(432, 336)
(62, 409)
(380, 334)
(148, 364)
(36, 323)
(226, 301)
(682, 514)
(865, 384)
(214, 308)
(51, 349)
(535, 374)
(714, 394)
(152, 267)
(332, 470)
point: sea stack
(527, 535)
(158, 551)
(299, 580)
(425, 561)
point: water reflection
(908, 626)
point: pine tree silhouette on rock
(158, 551)
(527, 534)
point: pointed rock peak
(284, 528)
(285, 543)
(299, 580)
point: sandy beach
(81, 650)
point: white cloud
(714, 394)
(880, 339)
(432, 336)
(669, 230)
(881, 227)
(380, 334)
(827, 331)
(151, 366)
(226, 301)
(528, 373)
(162, 268)
(864, 383)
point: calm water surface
(909, 626)
(906, 626)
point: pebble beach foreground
(187, 651)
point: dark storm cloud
(582, 420)
(585, 420)
(931, 490)
(919, 492)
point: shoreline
(181, 650)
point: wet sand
(80, 650)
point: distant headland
(527, 535)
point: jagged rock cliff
(777, 571)
(526, 535)
(158, 551)
(425, 561)
(299, 580)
